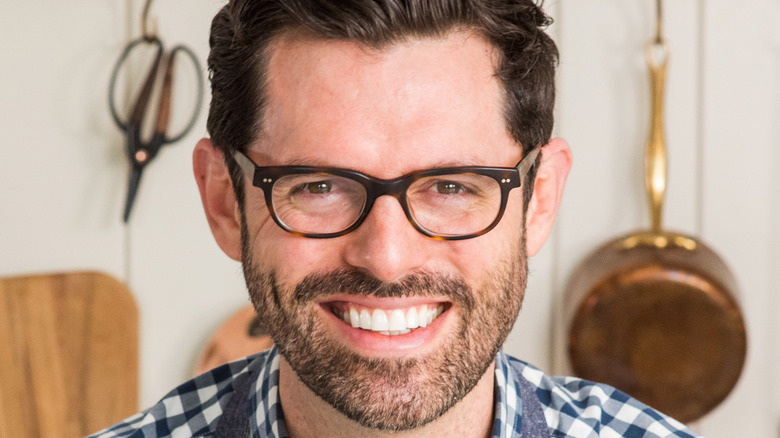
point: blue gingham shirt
(572, 407)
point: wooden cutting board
(68, 354)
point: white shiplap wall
(62, 171)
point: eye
(318, 187)
(449, 187)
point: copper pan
(654, 313)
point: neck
(308, 415)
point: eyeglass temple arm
(247, 166)
(525, 164)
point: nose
(386, 245)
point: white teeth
(379, 321)
(397, 320)
(411, 318)
(423, 316)
(391, 322)
(354, 317)
(365, 320)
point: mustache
(422, 284)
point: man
(361, 166)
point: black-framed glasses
(451, 203)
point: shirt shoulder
(190, 410)
(580, 408)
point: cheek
(509, 233)
(477, 260)
(290, 257)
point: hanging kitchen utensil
(654, 313)
(140, 152)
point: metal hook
(148, 36)
(658, 22)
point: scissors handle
(163, 114)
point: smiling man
(383, 169)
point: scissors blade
(139, 152)
(132, 189)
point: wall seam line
(701, 118)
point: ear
(218, 197)
(548, 190)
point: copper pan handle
(656, 54)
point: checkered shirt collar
(507, 419)
(267, 420)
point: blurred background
(63, 171)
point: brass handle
(659, 240)
(657, 54)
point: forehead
(425, 101)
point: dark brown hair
(242, 30)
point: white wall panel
(741, 108)
(58, 145)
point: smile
(390, 322)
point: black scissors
(141, 152)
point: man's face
(419, 104)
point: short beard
(389, 394)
